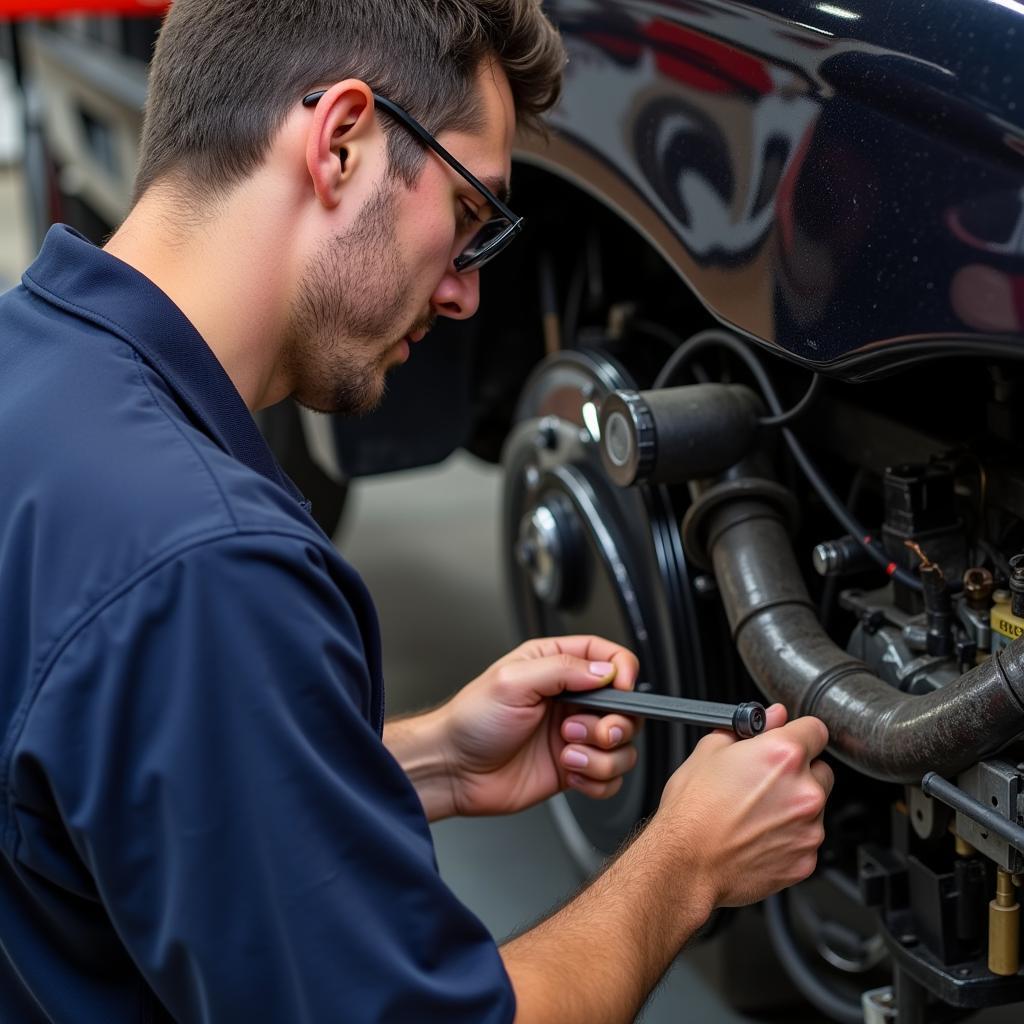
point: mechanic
(204, 815)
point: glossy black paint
(845, 181)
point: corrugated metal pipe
(878, 730)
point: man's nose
(457, 295)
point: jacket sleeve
(260, 854)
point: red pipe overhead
(13, 9)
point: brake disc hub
(586, 556)
(550, 551)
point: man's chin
(347, 402)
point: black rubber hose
(877, 729)
(723, 339)
(811, 987)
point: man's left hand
(507, 746)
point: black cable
(723, 339)
(998, 559)
(672, 340)
(814, 990)
(798, 410)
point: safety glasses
(496, 233)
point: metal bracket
(996, 785)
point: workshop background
(426, 542)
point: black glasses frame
(514, 223)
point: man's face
(377, 287)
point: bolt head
(547, 433)
(705, 585)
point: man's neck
(223, 274)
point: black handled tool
(745, 720)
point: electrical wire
(719, 338)
(998, 559)
(669, 338)
(785, 418)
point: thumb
(546, 677)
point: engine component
(938, 608)
(880, 732)
(879, 1005)
(920, 511)
(1006, 625)
(929, 818)
(671, 435)
(840, 557)
(893, 644)
(1004, 927)
(1017, 585)
(976, 608)
(978, 587)
(987, 811)
(723, 339)
(935, 919)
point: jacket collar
(76, 276)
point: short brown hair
(226, 73)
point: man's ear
(342, 121)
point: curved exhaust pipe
(737, 526)
(874, 728)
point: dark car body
(842, 182)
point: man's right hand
(738, 820)
(749, 812)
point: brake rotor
(585, 556)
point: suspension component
(670, 435)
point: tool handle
(745, 720)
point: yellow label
(1010, 627)
(1005, 625)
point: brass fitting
(1004, 927)
(963, 848)
(978, 587)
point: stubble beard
(348, 313)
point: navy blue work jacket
(199, 821)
